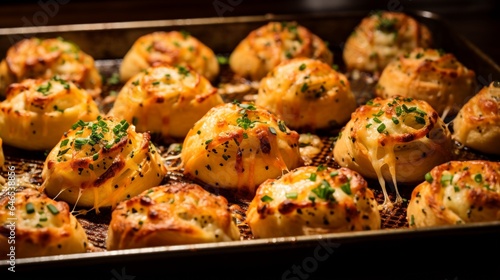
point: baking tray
(380, 252)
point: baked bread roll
(381, 37)
(37, 226)
(239, 146)
(169, 48)
(430, 75)
(395, 139)
(307, 94)
(313, 200)
(456, 192)
(477, 124)
(46, 58)
(43, 109)
(266, 47)
(100, 163)
(166, 100)
(171, 215)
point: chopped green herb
(64, 142)
(266, 198)
(395, 120)
(44, 89)
(208, 141)
(419, 120)
(446, 178)
(368, 125)
(313, 176)
(399, 111)
(428, 177)
(304, 87)
(334, 173)
(291, 195)
(302, 67)
(478, 178)
(62, 152)
(324, 191)
(30, 208)
(183, 71)
(346, 187)
(114, 79)
(282, 126)
(387, 25)
(321, 167)
(52, 209)
(381, 128)
(223, 60)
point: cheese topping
(166, 100)
(100, 163)
(431, 75)
(172, 48)
(43, 109)
(238, 146)
(46, 58)
(396, 139)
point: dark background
(476, 20)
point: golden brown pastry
(430, 75)
(37, 112)
(307, 94)
(46, 58)
(266, 47)
(100, 163)
(456, 192)
(2, 157)
(313, 200)
(477, 124)
(35, 225)
(165, 99)
(169, 48)
(395, 139)
(239, 146)
(171, 215)
(381, 37)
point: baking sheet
(109, 42)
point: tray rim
(244, 245)
(239, 246)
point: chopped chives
(266, 198)
(292, 195)
(30, 208)
(381, 128)
(52, 209)
(478, 178)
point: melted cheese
(103, 173)
(393, 139)
(43, 109)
